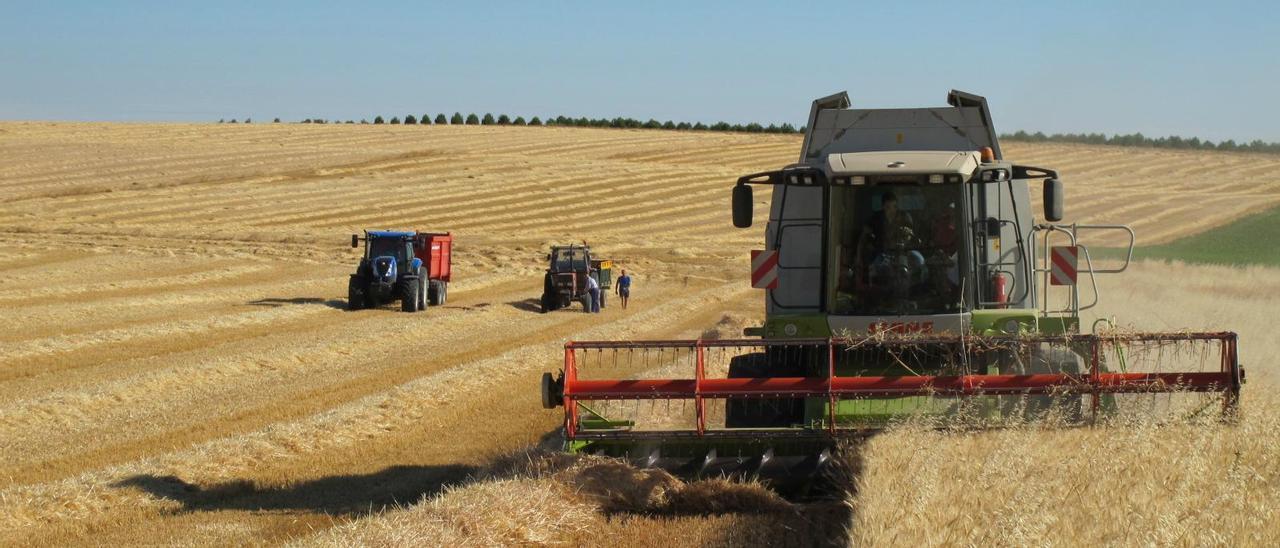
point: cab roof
(904, 162)
(389, 234)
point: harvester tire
(355, 295)
(409, 295)
(771, 413)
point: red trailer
(436, 251)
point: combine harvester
(904, 276)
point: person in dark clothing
(623, 286)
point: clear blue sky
(1207, 69)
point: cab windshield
(896, 249)
(384, 247)
(569, 259)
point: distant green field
(1252, 240)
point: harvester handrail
(1072, 231)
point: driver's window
(893, 249)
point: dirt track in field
(172, 302)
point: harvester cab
(565, 280)
(904, 275)
(412, 267)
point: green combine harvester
(904, 275)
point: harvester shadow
(275, 303)
(346, 495)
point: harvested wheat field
(176, 366)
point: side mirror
(355, 240)
(742, 206)
(1053, 200)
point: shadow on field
(336, 495)
(532, 304)
(275, 303)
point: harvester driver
(889, 240)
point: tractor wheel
(546, 303)
(603, 294)
(435, 294)
(409, 295)
(759, 413)
(355, 295)
(422, 294)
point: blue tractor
(388, 271)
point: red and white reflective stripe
(764, 269)
(1062, 270)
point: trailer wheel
(355, 295)
(434, 294)
(444, 292)
(759, 413)
(409, 295)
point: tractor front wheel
(409, 295)
(355, 295)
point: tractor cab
(389, 270)
(397, 245)
(387, 252)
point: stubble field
(176, 366)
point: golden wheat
(174, 358)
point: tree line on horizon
(1130, 139)
(1140, 140)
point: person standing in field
(624, 288)
(593, 291)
